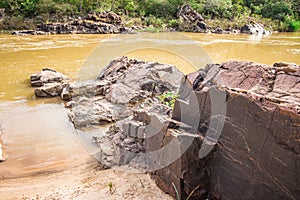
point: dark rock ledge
(233, 133)
(93, 23)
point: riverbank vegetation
(282, 15)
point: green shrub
(16, 23)
(173, 23)
(295, 25)
(152, 20)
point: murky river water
(37, 135)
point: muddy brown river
(37, 135)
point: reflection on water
(38, 136)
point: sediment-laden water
(37, 135)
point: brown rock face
(245, 121)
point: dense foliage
(285, 13)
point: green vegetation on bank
(282, 15)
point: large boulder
(244, 121)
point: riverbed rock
(119, 88)
(244, 130)
(93, 23)
(47, 76)
(50, 83)
(29, 32)
(49, 90)
(255, 28)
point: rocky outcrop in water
(29, 32)
(49, 83)
(255, 29)
(93, 23)
(120, 87)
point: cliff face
(245, 124)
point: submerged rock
(29, 32)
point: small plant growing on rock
(111, 188)
(168, 99)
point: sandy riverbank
(82, 182)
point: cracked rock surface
(121, 86)
(49, 83)
(252, 140)
(234, 132)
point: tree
(218, 8)
(277, 10)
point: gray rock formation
(49, 83)
(94, 23)
(46, 76)
(29, 32)
(255, 28)
(119, 88)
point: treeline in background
(282, 15)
